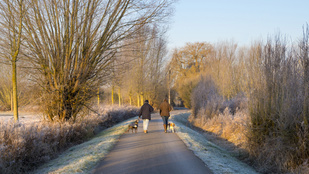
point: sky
(243, 21)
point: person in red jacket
(145, 112)
(165, 109)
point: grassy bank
(217, 159)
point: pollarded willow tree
(72, 44)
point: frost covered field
(24, 117)
(82, 158)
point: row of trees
(143, 77)
(195, 59)
(71, 48)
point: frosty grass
(82, 158)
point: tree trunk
(98, 98)
(306, 91)
(130, 96)
(113, 95)
(119, 97)
(12, 108)
(142, 98)
(14, 84)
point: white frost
(82, 158)
(216, 158)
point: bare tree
(12, 14)
(186, 65)
(143, 75)
(304, 57)
(73, 43)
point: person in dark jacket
(145, 112)
(165, 109)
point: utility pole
(169, 86)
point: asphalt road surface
(153, 153)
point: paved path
(153, 153)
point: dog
(172, 127)
(133, 126)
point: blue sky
(243, 21)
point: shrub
(279, 136)
(226, 118)
(205, 99)
(272, 122)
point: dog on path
(171, 127)
(133, 126)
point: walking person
(165, 109)
(145, 112)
